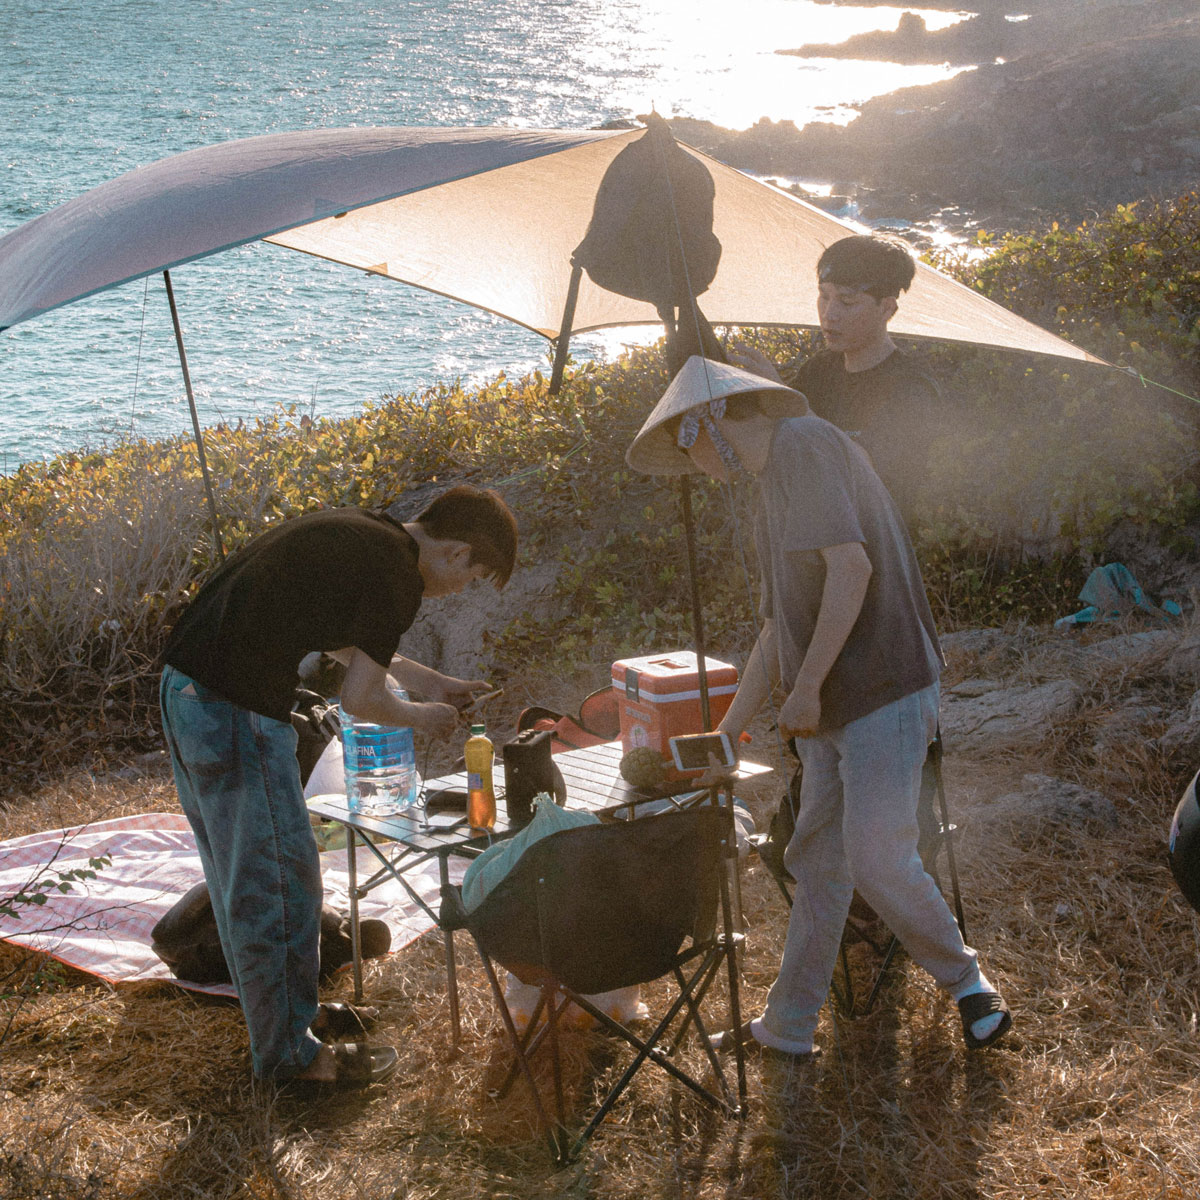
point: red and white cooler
(659, 698)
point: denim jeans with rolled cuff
(239, 787)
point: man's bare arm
(425, 681)
(366, 696)
(759, 677)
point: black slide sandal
(977, 1006)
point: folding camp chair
(936, 834)
(608, 906)
(598, 720)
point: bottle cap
(478, 727)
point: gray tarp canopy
(487, 216)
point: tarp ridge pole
(563, 341)
(191, 398)
(689, 533)
(685, 483)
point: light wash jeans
(239, 786)
(857, 829)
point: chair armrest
(453, 915)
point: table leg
(355, 945)
(451, 969)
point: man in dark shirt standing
(350, 582)
(861, 382)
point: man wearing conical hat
(847, 632)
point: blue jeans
(857, 829)
(239, 786)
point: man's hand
(750, 359)
(801, 711)
(437, 720)
(717, 774)
(459, 692)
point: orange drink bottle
(481, 796)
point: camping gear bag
(186, 939)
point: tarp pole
(187, 384)
(563, 341)
(689, 532)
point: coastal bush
(1036, 461)
(1125, 285)
(1040, 459)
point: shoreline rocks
(1101, 107)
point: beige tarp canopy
(487, 216)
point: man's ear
(889, 308)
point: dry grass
(145, 1092)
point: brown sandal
(335, 1020)
(357, 1065)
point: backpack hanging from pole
(651, 233)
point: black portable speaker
(528, 770)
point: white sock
(985, 1026)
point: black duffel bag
(186, 939)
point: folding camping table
(594, 784)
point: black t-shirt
(891, 410)
(321, 581)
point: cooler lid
(673, 672)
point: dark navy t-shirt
(818, 490)
(322, 581)
(891, 410)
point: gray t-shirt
(818, 490)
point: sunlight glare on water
(108, 85)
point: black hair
(479, 517)
(880, 266)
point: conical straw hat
(700, 380)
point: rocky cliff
(1099, 104)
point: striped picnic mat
(102, 926)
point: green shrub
(1034, 463)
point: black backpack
(186, 939)
(653, 216)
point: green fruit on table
(643, 767)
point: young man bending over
(848, 631)
(342, 580)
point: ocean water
(93, 88)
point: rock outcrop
(1100, 105)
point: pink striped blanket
(102, 926)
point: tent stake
(187, 384)
(689, 530)
(563, 341)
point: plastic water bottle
(380, 763)
(481, 796)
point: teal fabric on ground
(496, 861)
(1111, 592)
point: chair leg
(694, 1017)
(843, 996)
(728, 942)
(552, 1131)
(531, 1040)
(947, 832)
(553, 1011)
(648, 1049)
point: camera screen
(694, 751)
